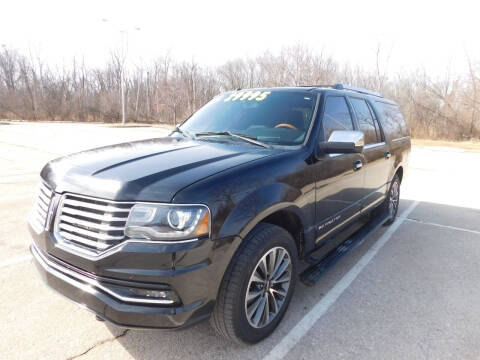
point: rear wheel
(392, 200)
(257, 287)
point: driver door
(339, 177)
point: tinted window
(336, 115)
(393, 122)
(274, 117)
(366, 121)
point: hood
(147, 170)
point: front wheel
(257, 287)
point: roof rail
(341, 86)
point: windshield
(273, 117)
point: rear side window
(336, 115)
(366, 121)
(393, 122)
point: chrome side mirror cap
(343, 142)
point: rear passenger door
(377, 157)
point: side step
(313, 274)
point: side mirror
(343, 142)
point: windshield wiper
(248, 138)
(184, 133)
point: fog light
(159, 294)
(163, 296)
(153, 294)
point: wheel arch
(288, 219)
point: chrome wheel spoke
(259, 312)
(266, 310)
(281, 269)
(274, 302)
(271, 262)
(253, 295)
(278, 261)
(263, 267)
(253, 308)
(284, 278)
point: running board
(314, 273)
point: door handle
(388, 155)
(357, 165)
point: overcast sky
(429, 34)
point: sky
(432, 35)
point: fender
(259, 204)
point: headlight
(168, 222)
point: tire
(240, 320)
(392, 200)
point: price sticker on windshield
(248, 96)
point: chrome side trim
(400, 138)
(376, 202)
(358, 213)
(366, 147)
(86, 282)
(323, 236)
(374, 145)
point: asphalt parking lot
(410, 291)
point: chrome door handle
(357, 165)
(388, 155)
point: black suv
(211, 221)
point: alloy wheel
(268, 287)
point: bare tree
(168, 91)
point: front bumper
(99, 295)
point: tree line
(168, 90)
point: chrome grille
(91, 224)
(39, 213)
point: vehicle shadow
(200, 342)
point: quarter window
(393, 121)
(366, 121)
(336, 115)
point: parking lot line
(321, 307)
(444, 226)
(16, 260)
